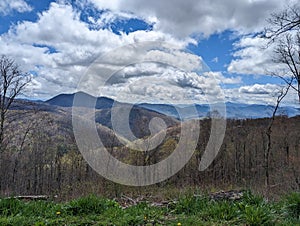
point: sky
(156, 51)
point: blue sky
(57, 41)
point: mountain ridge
(233, 110)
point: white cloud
(260, 89)
(253, 57)
(112, 4)
(60, 47)
(260, 94)
(8, 6)
(192, 17)
(183, 18)
(159, 73)
(215, 60)
(226, 80)
(187, 61)
(171, 86)
(75, 46)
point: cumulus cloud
(226, 80)
(169, 87)
(8, 6)
(256, 56)
(252, 57)
(59, 47)
(154, 78)
(259, 89)
(184, 18)
(260, 94)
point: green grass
(188, 210)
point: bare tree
(284, 33)
(267, 150)
(12, 83)
(283, 22)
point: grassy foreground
(188, 210)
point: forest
(42, 157)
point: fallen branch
(32, 197)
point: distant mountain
(161, 108)
(233, 110)
(62, 100)
(182, 112)
(254, 111)
(179, 112)
(139, 117)
(66, 100)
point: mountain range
(233, 110)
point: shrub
(254, 210)
(220, 210)
(292, 205)
(190, 204)
(251, 199)
(90, 205)
(10, 206)
(257, 215)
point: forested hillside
(42, 156)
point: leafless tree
(283, 22)
(284, 33)
(12, 82)
(267, 150)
